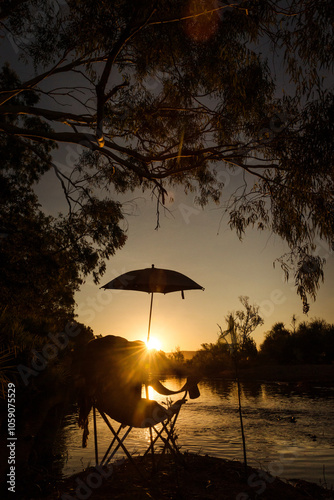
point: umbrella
(153, 280)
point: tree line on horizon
(311, 342)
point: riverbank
(308, 373)
(190, 477)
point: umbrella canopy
(153, 280)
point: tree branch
(48, 114)
(128, 33)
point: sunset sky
(200, 244)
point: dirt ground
(189, 476)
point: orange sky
(188, 242)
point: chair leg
(173, 446)
(152, 443)
(166, 440)
(110, 446)
(120, 442)
(169, 442)
(170, 432)
(95, 437)
(151, 434)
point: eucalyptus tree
(166, 93)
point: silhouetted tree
(248, 351)
(212, 358)
(42, 262)
(246, 321)
(177, 356)
(277, 344)
(44, 258)
(160, 93)
(240, 326)
(329, 345)
(312, 342)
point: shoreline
(189, 476)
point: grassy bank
(191, 477)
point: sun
(153, 343)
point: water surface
(288, 428)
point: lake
(288, 428)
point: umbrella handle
(150, 317)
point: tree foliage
(245, 322)
(276, 345)
(211, 359)
(160, 93)
(177, 356)
(311, 342)
(240, 326)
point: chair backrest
(113, 371)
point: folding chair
(164, 434)
(113, 373)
